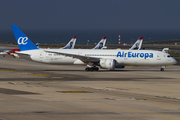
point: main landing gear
(92, 69)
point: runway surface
(30, 90)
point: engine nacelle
(107, 64)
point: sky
(90, 14)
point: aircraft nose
(174, 61)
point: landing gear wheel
(92, 69)
(96, 69)
(87, 69)
(162, 68)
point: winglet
(23, 41)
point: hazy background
(78, 16)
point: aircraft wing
(3, 53)
(85, 59)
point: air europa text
(135, 55)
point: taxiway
(30, 90)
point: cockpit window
(169, 56)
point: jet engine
(107, 64)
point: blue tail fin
(23, 41)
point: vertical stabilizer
(22, 40)
(101, 44)
(71, 43)
(137, 44)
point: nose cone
(174, 61)
(171, 61)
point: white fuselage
(122, 57)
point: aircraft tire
(87, 69)
(92, 69)
(96, 69)
(162, 69)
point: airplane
(71, 43)
(137, 44)
(101, 44)
(107, 59)
(37, 44)
(3, 52)
(12, 52)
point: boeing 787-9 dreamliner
(92, 58)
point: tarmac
(36, 91)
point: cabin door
(158, 56)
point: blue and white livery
(23, 41)
(93, 58)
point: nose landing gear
(162, 68)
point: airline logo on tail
(71, 43)
(22, 40)
(101, 44)
(137, 44)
